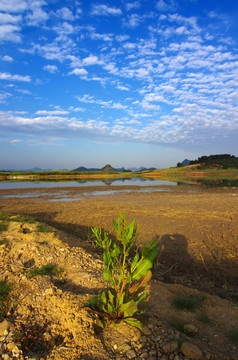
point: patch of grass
(5, 297)
(60, 282)
(3, 227)
(43, 229)
(5, 216)
(43, 242)
(189, 303)
(179, 325)
(2, 242)
(23, 218)
(228, 293)
(48, 269)
(204, 318)
(94, 303)
(233, 335)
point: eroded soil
(197, 229)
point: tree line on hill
(224, 161)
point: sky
(129, 82)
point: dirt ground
(197, 229)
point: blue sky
(130, 83)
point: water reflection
(103, 182)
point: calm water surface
(54, 184)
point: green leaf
(134, 262)
(129, 277)
(103, 298)
(121, 299)
(145, 265)
(142, 283)
(134, 322)
(110, 298)
(129, 308)
(141, 297)
(107, 275)
(130, 231)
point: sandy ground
(197, 227)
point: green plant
(204, 318)
(5, 297)
(128, 279)
(5, 216)
(3, 227)
(233, 335)
(2, 242)
(23, 218)
(190, 303)
(43, 229)
(181, 327)
(48, 269)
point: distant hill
(111, 169)
(221, 160)
(186, 162)
(108, 169)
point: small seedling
(43, 229)
(204, 318)
(233, 335)
(23, 218)
(127, 277)
(189, 303)
(48, 269)
(5, 297)
(5, 216)
(60, 282)
(181, 327)
(44, 242)
(3, 227)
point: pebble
(191, 351)
(170, 347)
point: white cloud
(10, 77)
(65, 14)
(13, 6)
(53, 112)
(10, 33)
(132, 5)
(7, 58)
(51, 68)
(133, 21)
(79, 72)
(122, 87)
(9, 19)
(166, 5)
(91, 60)
(105, 10)
(37, 15)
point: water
(11, 185)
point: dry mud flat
(197, 227)
(50, 321)
(198, 233)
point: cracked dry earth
(50, 322)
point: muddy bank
(197, 227)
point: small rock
(191, 351)
(190, 329)
(131, 354)
(4, 327)
(145, 330)
(48, 292)
(2, 349)
(170, 347)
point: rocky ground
(50, 321)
